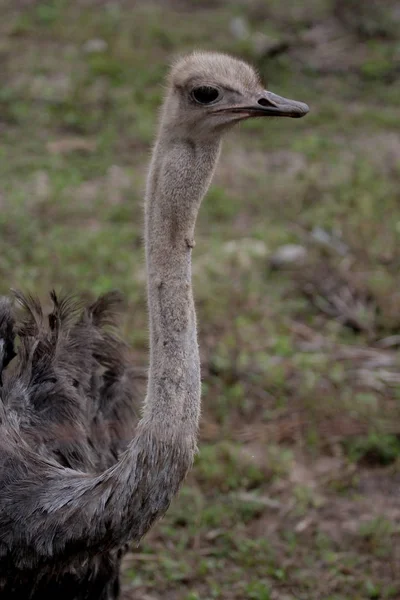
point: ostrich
(79, 477)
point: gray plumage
(80, 475)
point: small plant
(377, 534)
(258, 590)
(192, 596)
(374, 449)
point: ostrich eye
(205, 94)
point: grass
(293, 494)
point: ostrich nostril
(265, 102)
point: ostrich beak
(272, 105)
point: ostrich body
(79, 477)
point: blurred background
(295, 492)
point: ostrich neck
(180, 173)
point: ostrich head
(209, 92)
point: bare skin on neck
(182, 174)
